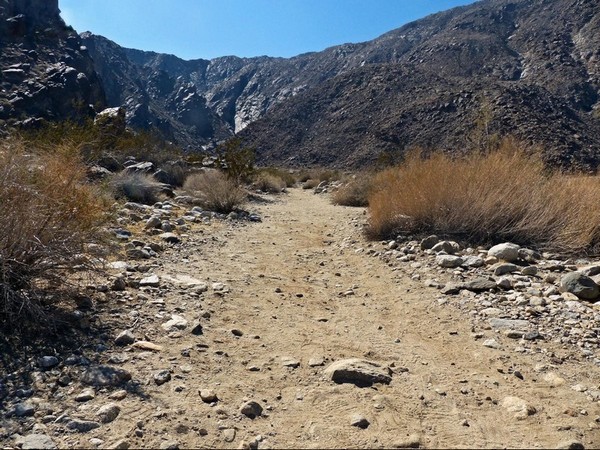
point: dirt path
(301, 287)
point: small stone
(151, 281)
(197, 329)
(236, 332)
(554, 379)
(85, 396)
(448, 261)
(480, 285)
(413, 441)
(208, 395)
(229, 434)
(108, 413)
(251, 409)
(170, 238)
(122, 444)
(491, 343)
(519, 406)
(24, 410)
(118, 395)
(529, 271)
(169, 445)
(48, 362)
(359, 372)
(82, 426)
(359, 421)
(125, 338)
(473, 261)
(287, 361)
(176, 323)
(448, 247)
(316, 361)
(429, 242)
(581, 285)
(571, 445)
(145, 345)
(38, 441)
(162, 377)
(504, 268)
(105, 376)
(96, 442)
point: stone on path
(151, 281)
(38, 441)
(448, 261)
(359, 421)
(520, 407)
(507, 252)
(108, 412)
(359, 372)
(251, 409)
(105, 376)
(581, 285)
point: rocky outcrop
(45, 72)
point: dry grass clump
(355, 192)
(49, 216)
(288, 177)
(136, 187)
(268, 183)
(317, 175)
(501, 196)
(215, 190)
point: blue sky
(210, 28)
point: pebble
(108, 412)
(38, 441)
(251, 409)
(24, 410)
(161, 377)
(82, 426)
(151, 281)
(520, 407)
(287, 361)
(491, 343)
(125, 338)
(105, 376)
(48, 362)
(85, 396)
(359, 421)
(208, 395)
(229, 434)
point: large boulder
(507, 252)
(581, 285)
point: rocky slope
(45, 73)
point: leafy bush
(216, 191)
(505, 195)
(354, 192)
(235, 160)
(49, 216)
(136, 187)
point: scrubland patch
(216, 191)
(355, 190)
(136, 187)
(505, 195)
(49, 216)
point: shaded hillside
(44, 71)
(531, 66)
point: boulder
(507, 252)
(359, 372)
(581, 285)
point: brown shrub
(271, 184)
(288, 177)
(501, 196)
(49, 215)
(355, 192)
(136, 187)
(216, 191)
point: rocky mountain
(528, 68)
(45, 72)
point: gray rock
(413, 441)
(38, 441)
(509, 324)
(531, 256)
(581, 285)
(125, 338)
(507, 252)
(491, 343)
(359, 421)
(479, 285)
(504, 268)
(161, 377)
(151, 281)
(85, 396)
(105, 376)
(448, 261)
(169, 445)
(108, 412)
(48, 362)
(451, 289)
(529, 271)
(449, 247)
(24, 410)
(287, 361)
(429, 242)
(358, 371)
(229, 434)
(570, 445)
(504, 283)
(170, 238)
(473, 261)
(82, 426)
(518, 406)
(251, 409)
(153, 222)
(208, 395)
(176, 323)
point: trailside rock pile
(523, 295)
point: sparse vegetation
(235, 160)
(271, 184)
(288, 177)
(505, 195)
(49, 215)
(216, 191)
(355, 191)
(136, 187)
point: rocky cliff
(45, 72)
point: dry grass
(216, 191)
(49, 215)
(136, 187)
(502, 196)
(288, 177)
(268, 183)
(355, 191)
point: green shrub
(215, 190)
(236, 161)
(50, 215)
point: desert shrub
(506, 195)
(355, 191)
(235, 160)
(136, 187)
(319, 174)
(288, 177)
(271, 184)
(49, 216)
(311, 183)
(215, 190)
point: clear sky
(210, 28)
